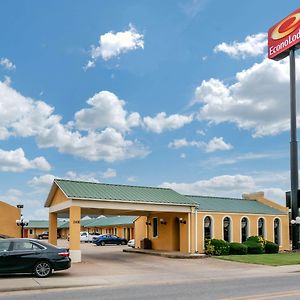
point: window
(155, 227)
(25, 246)
(207, 228)
(261, 227)
(226, 229)
(4, 245)
(116, 231)
(244, 229)
(277, 231)
(30, 231)
(124, 232)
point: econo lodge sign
(284, 35)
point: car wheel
(102, 243)
(123, 243)
(42, 269)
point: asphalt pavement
(109, 266)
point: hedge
(271, 247)
(238, 249)
(216, 247)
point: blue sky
(174, 93)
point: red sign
(284, 35)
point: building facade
(8, 216)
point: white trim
(230, 228)
(279, 237)
(248, 228)
(60, 206)
(212, 229)
(241, 213)
(264, 227)
(75, 256)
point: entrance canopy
(113, 199)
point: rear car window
(25, 245)
(4, 245)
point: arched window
(207, 228)
(261, 227)
(226, 229)
(244, 229)
(277, 231)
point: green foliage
(238, 249)
(254, 248)
(216, 247)
(256, 239)
(271, 247)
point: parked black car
(32, 256)
(105, 239)
(45, 235)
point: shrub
(271, 247)
(254, 248)
(216, 247)
(256, 239)
(238, 249)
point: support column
(74, 242)
(53, 228)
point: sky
(175, 94)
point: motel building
(173, 222)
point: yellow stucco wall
(8, 216)
(217, 227)
(167, 239)
(58, 197)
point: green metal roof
(83, 222)
(233, 205)
(137, 194)
(42, 224)
(112, 221)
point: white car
(130, 243)
(86, 237)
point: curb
(166, 254)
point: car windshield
(4, 245)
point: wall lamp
(182, 221)
(148, 223)
(162, 221)
(297, 221)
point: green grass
(280, 259)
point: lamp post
(22, 222)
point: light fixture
(22, 222)
(162, 221)
(297, 221)
(148, 223)
(182, 221)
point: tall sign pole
(294, 149)
(283, 39)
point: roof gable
(113, 192)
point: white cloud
(107, 111)
(113, 44)
(225, 185)
(253, 45)
(42, 182)
(28, 117)
(218, 161)
(217, 143)
(108, 145)
(257, 101)
(90, 177)
(192, 7)
(109, 173)
(161, 122)
(15, 161)
(183, 155)
(7, 64)
(131, 179)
